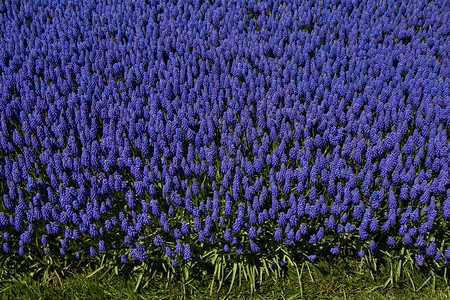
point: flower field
(250, 135)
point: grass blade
(138, 282)
(233, 277)
(426, 281)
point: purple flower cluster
(236, 125)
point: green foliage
(221, 276)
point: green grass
(337, 279)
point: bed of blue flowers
(185, 131)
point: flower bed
(145, 131)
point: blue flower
(93, 252)
(124, 259)
(320, 234)
(373, 247)
(254, 247)
(431, 249)
(278, 236)
(391, 241)
(102, 247)
(7, 248)
(420, 259)
(336, 250)
(187, 252)
(407, 239)
(313, 239)
(312, 257)
(252, 233)
(447, 254)
(374, 225)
